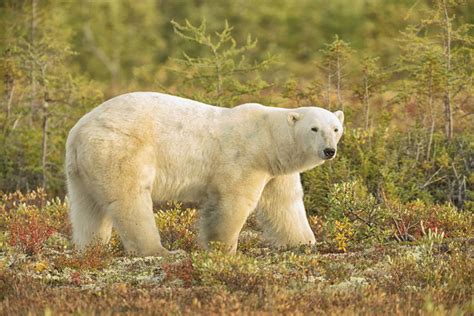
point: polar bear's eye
(336, 130)
(314, 129)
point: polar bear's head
(317, 132)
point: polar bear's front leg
(226, 211)
(281, 212)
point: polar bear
(143, 147)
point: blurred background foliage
(401, 70)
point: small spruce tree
(223, 73)
(438, 34)
(41, 96)
(370, 83)
(335, 57)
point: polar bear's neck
(283, 154)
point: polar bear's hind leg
(89, 222)
(134, 221)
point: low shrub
(357, 219)
(177, 226)
(412, 221)
(16, 203)
(234, 272)
(94, 257)
(182, 270)
(29, 233)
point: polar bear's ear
(340, 116)
(293, 117)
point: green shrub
(414, 220)
(356, 219)
(177, 227)
(237, 272)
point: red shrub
(95, 257)
(29, 233)
(183, 270)
(76, 278)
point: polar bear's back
(157, 107)
(176, 137)
(147, 114)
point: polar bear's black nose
(329, 152)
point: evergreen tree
(41, 96)
(372, 79)
(223, 73)
(436, 37)
(335, 57)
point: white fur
(143, 147)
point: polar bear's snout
(329, 153)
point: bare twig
(429, 181)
